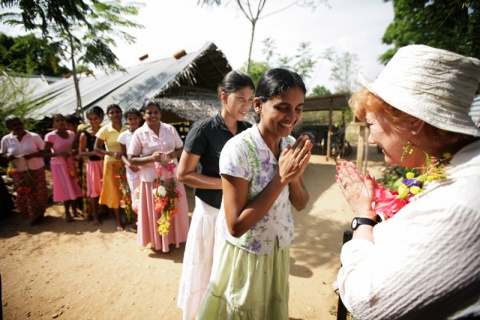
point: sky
(354, 26)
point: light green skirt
(244, 285)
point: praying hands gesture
(294, 159)
(357, 189)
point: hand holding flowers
(166, 196)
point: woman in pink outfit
(58, 147)
(153, 146)
(94, 167)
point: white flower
(161, 191)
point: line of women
(108, 170)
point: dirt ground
(80, 271)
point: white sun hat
(434, 85)
(475, 111)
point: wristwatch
(359, 221)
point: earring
(414, 132)
(407, 150)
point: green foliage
(83, 30)
(14, 100)
(319, 91)
(302, 62)
(446, 24)
(393, 175)
(257, 69)
(30, 55)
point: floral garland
(166, 196)
(26, 184)
(126, 201)
(389, 202)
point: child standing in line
(58, 147)
(111, 195)
(134, 120)
(94, 167)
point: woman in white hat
(424, 261)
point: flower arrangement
(126, 195)
(166, 196)
(389, 202)
(26, 183)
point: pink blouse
(60, 145)
(145, 142)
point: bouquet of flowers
(25, 180)
(389, 202)
(166, 196)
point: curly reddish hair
(364, 101)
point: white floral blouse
(247, 156)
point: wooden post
(361, 146)
(330, 131)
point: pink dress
(65, 186)
(144, 143)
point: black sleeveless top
(90, 144)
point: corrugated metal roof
(475, 110)
(204, 68)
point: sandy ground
(79, 271)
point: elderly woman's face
(388, 140)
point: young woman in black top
(203, 145)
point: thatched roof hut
(185, 85)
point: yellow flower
(410, 175)
(415, 190)
(421, 178)
(402, 191)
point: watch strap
(358, 221)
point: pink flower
(387, 202)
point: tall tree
(29, 54)
(253, 9)
(85, 29)
(446, 24)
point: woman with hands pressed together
(262, 176)
(423, 261)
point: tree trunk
(251, 45)
(78, 109)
